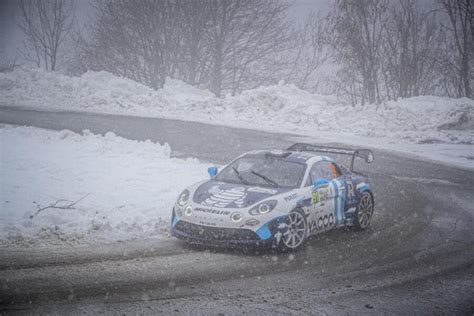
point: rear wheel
(364, 212)
(293, 233)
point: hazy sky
(11, 37)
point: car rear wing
(365, 154)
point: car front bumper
(224, 236)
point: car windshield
(264, 171)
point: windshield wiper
(239, 176)
(267, 180)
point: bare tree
(308, 54)
(355, 35)
(47, 25)
(78, 62)
(460, 29)
(410, 49)
(376, 49)
(149, 40)
(226, 45)
(193, 57)
(245, 39)
(385, 50)
(134, 39)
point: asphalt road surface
(416, 258)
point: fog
(236, 157)
(364, 52)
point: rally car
(277, 197)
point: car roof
(295, 156)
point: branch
(55, 205)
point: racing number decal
(320, 195)
(315, 197)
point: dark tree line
(367, 51)
(386, 50)
(47, 26)
(222, 45)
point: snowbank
(94, 92)
(281, 108)
(415, 120)
(130, 186)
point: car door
(328, 195)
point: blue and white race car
(275, 197)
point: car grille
(215, 233)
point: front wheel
(292, 232)
(364, 212)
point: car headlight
(183, 198)
(263, 208)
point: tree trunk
(216, 86)
(465, 71)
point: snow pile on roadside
(278, 108)
(132, 186)
(93, 91)
(414, 120)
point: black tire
(294, 234)
(364, 211)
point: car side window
(323, 169)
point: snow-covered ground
(436, 128)
(128, 187)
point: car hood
(231, 195)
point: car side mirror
(320, 182)
(366, 154)
(369, 158)
(212, 171)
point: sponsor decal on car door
(322, 208)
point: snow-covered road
(130, 185)
(439, 128)
(417, 257)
